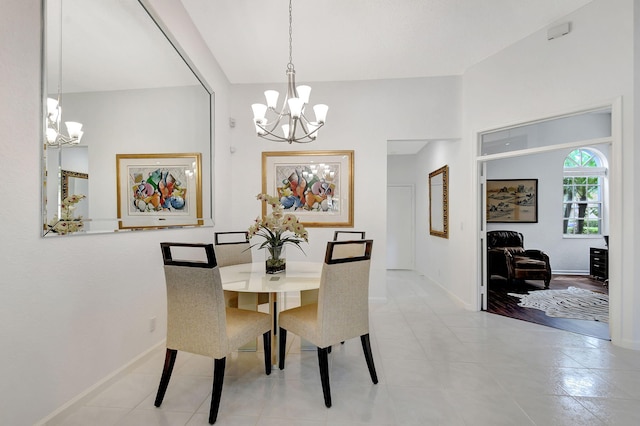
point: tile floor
(437, 365)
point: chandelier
(54, 110)
(291, 119)
(53, 134)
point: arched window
(584, 173)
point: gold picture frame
(315, 185)
(439, 202)
(159, 190)
(68, 179)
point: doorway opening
(536, 151)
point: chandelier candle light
(54, 116)
(291, 119)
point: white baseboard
(90, 393)
(569, 272)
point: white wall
(362, 117)
(438, 258)
(72, 310)
(537, 78)
(401, 169)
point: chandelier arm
(276, 138)
(63, 140)
(270, 132)
(276, 122)
(309, 133)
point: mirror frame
(46, 176)
(439, 202)
(65, 175)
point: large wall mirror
(439, 202)
(108, 65)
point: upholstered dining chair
(342, 250)
(341, 312)
(198, 320)
(234, 248)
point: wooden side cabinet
(599, 263)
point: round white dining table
(251, 278)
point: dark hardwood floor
(498, 302)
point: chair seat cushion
(242, 326)
(302, 321)
(529, 263)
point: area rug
(576, 303)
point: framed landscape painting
(315, 185)
(512, 200)
(159, 190)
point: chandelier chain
(60, 59)
(290, 64)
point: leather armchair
(507, 257)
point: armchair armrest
(510, 262)
(537, 254)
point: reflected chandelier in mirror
(108, 65)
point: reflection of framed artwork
(512, 200)
(159, 190)
(315, 185)
(72, 185)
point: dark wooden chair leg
(216, 393)
(266, 340)
(323, 362)
(169, 362)
(366, 347)
(282, 346)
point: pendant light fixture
(54, 116)
(53, 134)
(290, 124)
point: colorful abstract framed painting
(512, 200)
(159, 190)
(316, 185)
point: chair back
(233, 248)
(343, 298)
(348, 250)
(504, 239)
(348, 235)
(196, 315)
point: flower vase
(276, 261)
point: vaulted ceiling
(336, 40)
